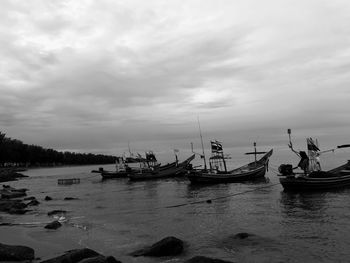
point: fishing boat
(218, 173)
(312, 178)
(124, 167)
(173, 169)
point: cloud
(144, 71)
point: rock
(15, 253)
(100, 259)
(201, 259)
(111, 259)
(70, 198)
(33, 202)
(48, 198)
(53, 225)
(55, 212)
(17, 211)
(9, 192)
(10, 174)
(29, 198)
(242, 235)
(73, 256)
(169, 246)
(12, 206)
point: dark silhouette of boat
(313, 178)
(166, 171)
(317, 180)
(215, 174)
(124, 166)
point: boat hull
(249, 172)
(212, 178)
(166, 171)
(303, 184)
(111, 175)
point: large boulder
(70, 198)
(33, 202)
(169, 246)
(73, 256)
(242, 235)
(10, 174)
(15, 253)
(201, 259)
(53, 225)
(13, 206)
(100, 259)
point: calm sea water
(116, 217)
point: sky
(95, 76)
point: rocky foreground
(169, 246)
(15, 201)
(10, 174)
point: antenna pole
(200, 133)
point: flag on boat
(311, 145)
(176, 150)
(216, 146)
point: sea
(118, 216)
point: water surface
(116, 217)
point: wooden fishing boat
(166, 171)
(125, 167)
(248, 172)
(317, 180)
(114, 174)
(313, 178)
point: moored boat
(317, 180)
(166, 171)
(124, 167)
(215, 174)
(312, 178)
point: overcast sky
(90, 76)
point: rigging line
(221, 197)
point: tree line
(14, 152)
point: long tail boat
(218, 173)
(313, 178)
(170, 170)
(125, 167)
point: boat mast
(129, 148)
(223, 160)
(255, 151)
(200, 133)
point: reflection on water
(312, 201)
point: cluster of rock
(85, 255)
(14, 201)
(169, 246)
(10, 174)
(15, 206)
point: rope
(221, 197)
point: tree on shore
(15, 152)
